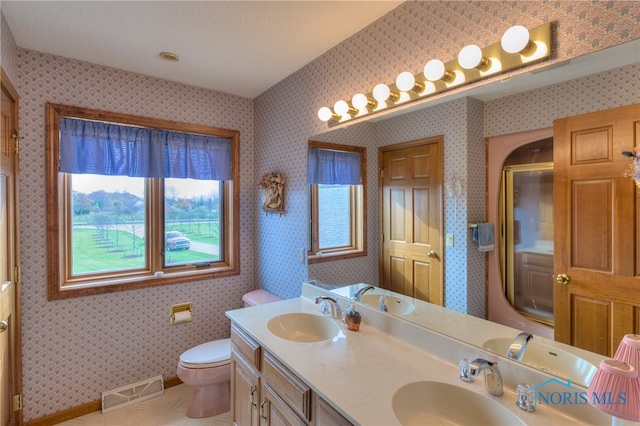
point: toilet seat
(208, 355)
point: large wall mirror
(465, 268)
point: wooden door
(10, 365)
(411, 219)
(597, 234)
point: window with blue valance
(333, 167)
(102, 148)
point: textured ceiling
(236, 47)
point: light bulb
(381, 92)
(405, 81)
(362, 102)
(515, 39)
(470, 57)
(325, 114)
(434, 70)
(341, 107)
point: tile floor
(166, 409)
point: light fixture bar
(491, 61)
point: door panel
(592, 223)
(597, 237)
(592, 323)
(411, 219)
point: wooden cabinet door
(597, 234)
(275, 412)
(411, 216)
(245, 392)
(327, 415)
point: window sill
(86, 288)
(338, 255)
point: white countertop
(358, 372)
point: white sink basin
(437, 403)
(301, 327)
(395, 305)
(551, 359)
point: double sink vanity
(291, 364)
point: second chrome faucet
(492, 376)
(336, 312)
(518, 346)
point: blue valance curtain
(113, 149)
(333, 167)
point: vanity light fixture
(518, 47)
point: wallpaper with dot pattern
(405, 39)
(74, 349)
(8, 54)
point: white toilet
(207, 368)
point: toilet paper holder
(181, 313)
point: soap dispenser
(382, 303)
(352, 317)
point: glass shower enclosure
(527, 241)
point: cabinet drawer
(246, 346)
(287, 386)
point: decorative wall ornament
(634, 168)
(454, 188)
(272, 188)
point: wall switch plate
(449, 240)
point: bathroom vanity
(264, 390)
(391, 372)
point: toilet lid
(206, 355)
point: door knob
(563, 279)
(432, 254)
(4, 325)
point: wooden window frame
(61, 284)
(358, 232)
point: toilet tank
(259, 297)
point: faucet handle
(526, 397)
(465, 371)
(325, 307)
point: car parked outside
(175, 240)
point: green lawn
(94, 254)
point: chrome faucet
(518, 346)
(336, 312)
(492, 376)
(362, 291)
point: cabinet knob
(563, 279)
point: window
(136, 202)
(337, 185)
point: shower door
(528, 239)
